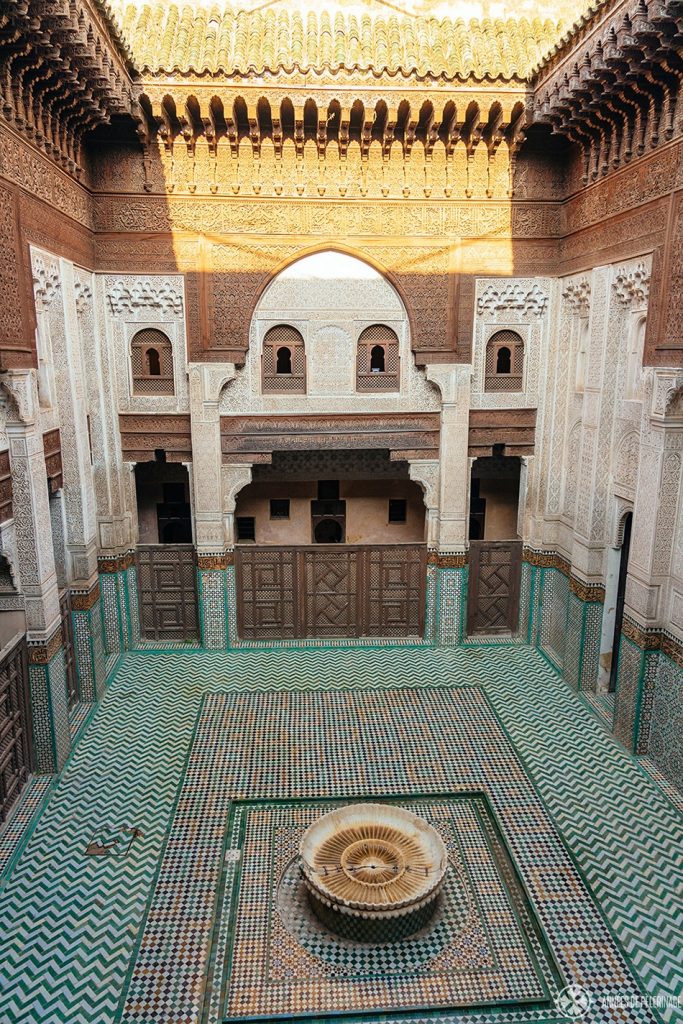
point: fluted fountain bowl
(373, 871)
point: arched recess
(283, 361)
(340, 309)
(366, 258)
(151, 356)
(504, 362)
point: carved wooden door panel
(394, 588)
(494, 575)
(267, 587)
(69, 652)
(16, 750)
(331, 592)
(167, 586)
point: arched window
(151, 356)
(377, 364)
(504, 362)
(283, 364)
(377, 359)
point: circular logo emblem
(573, 1001)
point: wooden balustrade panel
(330, 591)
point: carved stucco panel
(626, 459)
(132, 303)
(666, 512)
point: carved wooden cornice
(612, 84)
(64, 69)
(115, 563)
(144, 434)
(515, 428)
(42, 652)
(211, 563)
(85, 600)
(587, 591)
(653, 640)
(253, 439)
(223, 116)
(448, 561)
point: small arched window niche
(283, 366)
(377, 365)
(151, 357)
(504, 362)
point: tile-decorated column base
(564, 617)
(648, 714)
(49, 703)
(214, 596)
(665, 741)
(450, 599)
(119, 603)
(89, 644)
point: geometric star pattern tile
(71, 923)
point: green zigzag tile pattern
(71, 921)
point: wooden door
(167, 586)
(16, 746)
(69, 651)
(493, 597)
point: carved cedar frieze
(255, 438)
(142, 436)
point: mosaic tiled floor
(71, 922)
(482, 946)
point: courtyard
(185, 741)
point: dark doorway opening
(329, 531)
(163, 502)
(621, 594)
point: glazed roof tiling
(188, 39)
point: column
(37, 571)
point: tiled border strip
(16, 830)
(668, 789)
(24, 816)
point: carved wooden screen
(504, 362)
(16, 750)
(493, 588)
(330, 591)
(395, 591)
(151, 357)
(167, 586)
(5, 487)
(283, 366)
(377, 365)
(69, 653)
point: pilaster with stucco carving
(213, 528)
(453, 381)
(19, 392)
(61, 322)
